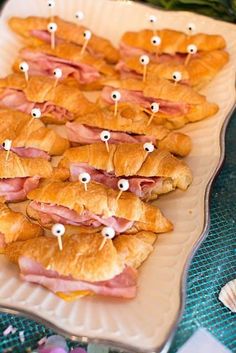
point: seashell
(228, 295)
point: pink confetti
(8, 330)
(42, 341)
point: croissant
(58, 104)
(15, 226)
(130, 126)
(86, 72)
(172, 42)
(179, 104)
(83, 267)
(158, 173)
(30, 134)
(34, 32)
(69, 203)
(200, 70)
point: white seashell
(228, 295)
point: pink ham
(43, 65)
(17, 100)
(16, 189)
(64, 215)
(84, 134)
(126, 72)
(29, 152)
(140, 186)
(137, 97)
(123, 285)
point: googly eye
(57, 73)
(156, 40)
(144, 60)
(115, 96)
(152, 19)
(52, 27)
(105, 136)
(148, 147)
(24, 67)
(123, 184)
(79, 15)
(36, 113)
(177, 76)
(155, 107)
(84, 178)
(87, 35)
(108, 232)
(7, 145)
(192, 49)
(51, 4)
(58, 229)
(191, 27)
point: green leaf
(94, 348)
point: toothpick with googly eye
(7, 147)
(116, 97)
(87, 36)
(191, 28)
(79, 15)
(123, 185)
(52, 28)
(144, 60)
(58, 230)
(24, 67)
(153, 20)
(107, 233)
(57, 73)
(148, 148)
(154, 109)
(177, 77)
(35, 114)
(51, 5)
(105, 137)
(191, 49)
(156, 42)
(85, 178)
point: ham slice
(84, 134)
(16, 189)
(123, 285)
(29, 152)
(140, 186)
(43, 65)
(17, 100)
(137, 97)
(60, 214)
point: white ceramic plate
(147, 323)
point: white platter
(147, 323)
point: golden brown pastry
(14, 226)
(34, 32)
(19, 175)
(179, 104)
(83, 267)
(129, 126)
(86, 72)
(69, 203)
(58, 104)
(148, 177)
(172, 42)
(30, 137)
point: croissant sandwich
(71, 204)
(30, 137)
(147, 177)
(34, 32)
(173, 43)
(129, 126)
(19, 175)
(201, 69)
(58, 104)
(15, 226)
(85, 71)
(178, 104)
(82, 267)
